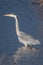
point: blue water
(30, 21)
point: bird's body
(27, 39)
(24, 38)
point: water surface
(30, 16)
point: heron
(23, 38)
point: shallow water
(30, 16)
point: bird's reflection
(24, 54)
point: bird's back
(27, 39)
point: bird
(23, 38)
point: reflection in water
(25, 56)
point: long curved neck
(17, 26)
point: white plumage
(24, 38)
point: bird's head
(10, 15)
